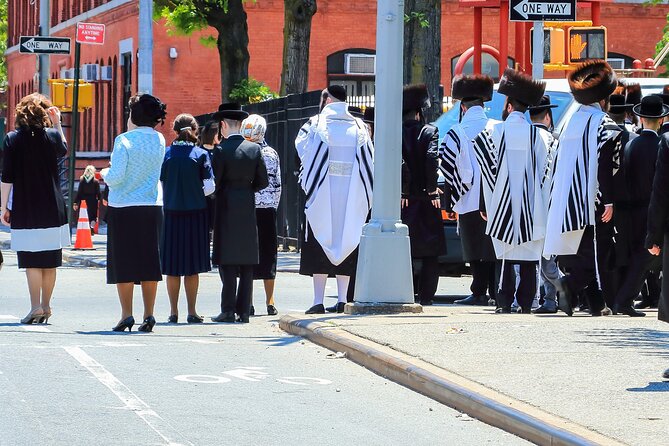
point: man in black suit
(639, 165)
(240, 172)
(665, 98)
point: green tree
(3, 43)
(228, 18)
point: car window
(494, 107)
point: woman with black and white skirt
(32, 203)
(187, 179)
(134, 215)
(267, 202)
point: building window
(354, 69)
(619, 61)
(489, 65)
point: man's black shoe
(665, 375)
(630, 311)
(545, 310)
(503, 310)
(645, 304)
(316, 309)
(243, 318)
(228, 316)
(336, 308)
(472, 300)
(426, 303)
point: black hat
(521, 87)
(338, 92)
(665, 90)
(415, 98)
(651, 106)
(665, 97)
(355, 111)
(592, 82)
(617, 104)
(230, 110)
(544, 104)
(368, 117)
(633, 94)
(473, 86)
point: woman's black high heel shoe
(125, 323)
(147, 325)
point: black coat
(621, 210)
(420, 152)
(658, 211)
(664, 129)
(239, 172)
(90, 192)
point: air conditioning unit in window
(616, 63)
(360, 64)
(90, 72)
(106, 73)
(67, 73)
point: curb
(457, 392)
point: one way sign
(44, 45)
(542, 10)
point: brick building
(343, 41)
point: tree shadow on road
(645, 341)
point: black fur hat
(415, 98)
(473, 86)
(592, 82)
(634, 95)
(521, 87)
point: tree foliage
(3, 43)
(250, 90)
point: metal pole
(44, 30)
(478, 39)
(503, 36)
(384, 265)
(75, 127)
(145, 62)
(538, 51)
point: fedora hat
(651, 107)
(544, 104)
(617, 104)
(230, 110)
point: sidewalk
(601, 373)
(287, 262)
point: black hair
(517, 105)
(471, 102)
(147, 110)
(207, 133)
(539, 116)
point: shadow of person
(660, 386)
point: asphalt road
(74, 382)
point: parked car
(452, 264)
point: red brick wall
(190, 83)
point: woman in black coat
(89, 191)
(657, 239)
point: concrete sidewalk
(287, 262)
(600, 373)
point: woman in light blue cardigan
(134, 216)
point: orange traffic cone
(84, 240)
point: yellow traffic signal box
(62, 94)
(553, 45)
(586, 43)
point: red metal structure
(521, 30)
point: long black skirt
(476, 245)
(133, 244)
(313, 260)
(39, 259)
(185, 243)
(268, 244)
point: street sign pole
(75, 127)
(44, 62)
(384, 282)
(538, 52)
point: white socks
(319, 288)
(342, 288)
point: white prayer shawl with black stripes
(512, 157)
(336, 226)
(552, 143)
(458, 163)
(574, 191)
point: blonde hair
(89, 169)
(31, 112)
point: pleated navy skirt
(185, 243)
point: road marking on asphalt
(36, 328)
(303, 381)
(130, 399)
(252, 374)
(8, 317)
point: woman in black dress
(89, 190)
(38, 215)
(187, 179)
(208, 138)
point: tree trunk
(422, 50)
(232, 44)
(296, 39)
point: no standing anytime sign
(91, 33)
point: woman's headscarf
(253, 128)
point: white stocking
(319, 288)
(342, 288)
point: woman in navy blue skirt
(187, 179)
